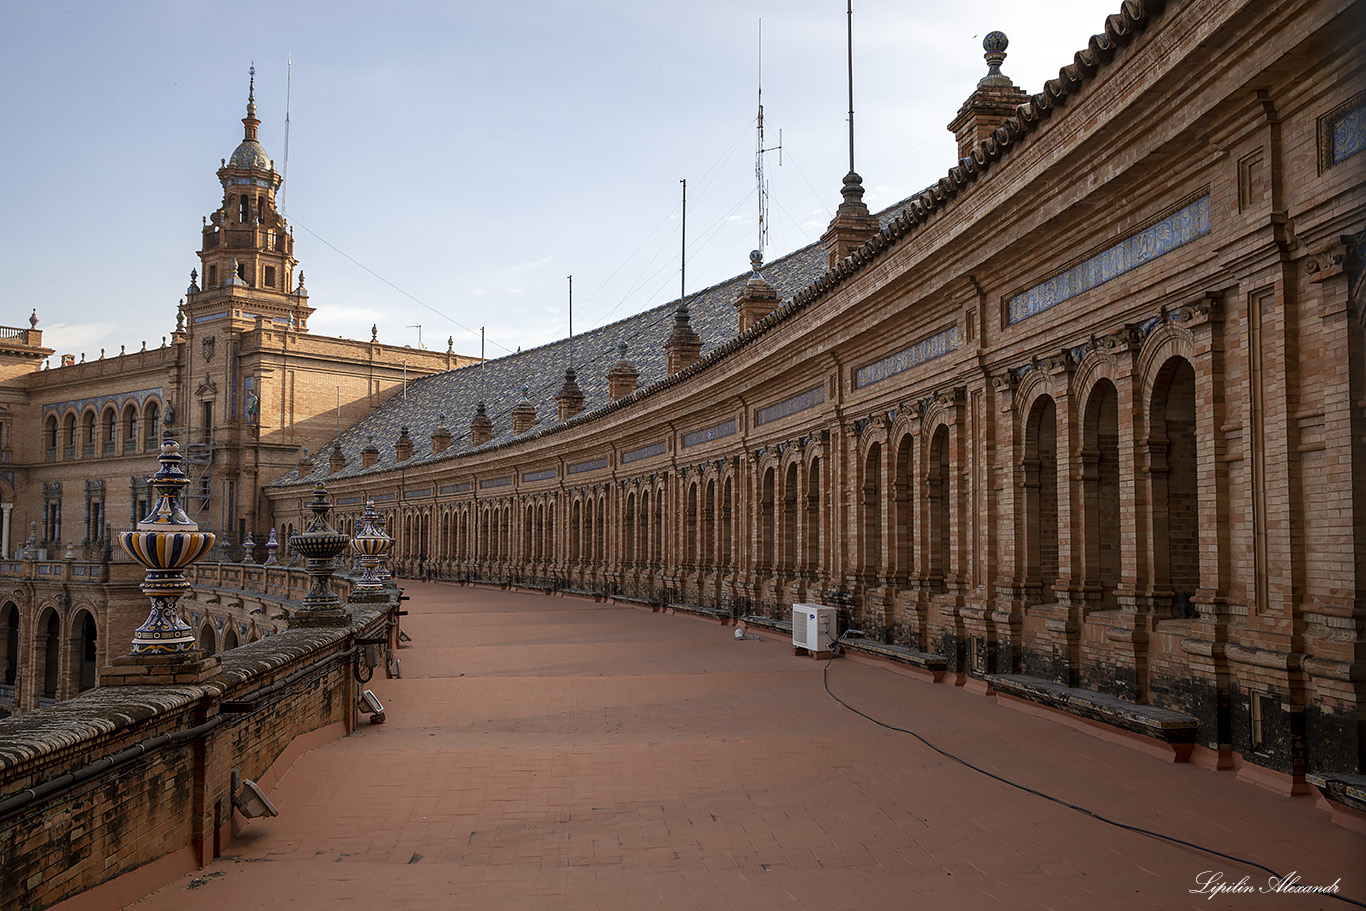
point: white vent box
(813, 628)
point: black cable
(1059, 800)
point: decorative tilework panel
(544, 474)
(644, 452)
(210, 317)
(382, 497)
(715, 432)
(922, 351)
(592, 465)
(462, 487)
(350, 501)
(800, 402)
(1349, 134)
(495, 482)
(1148, 244)
(417, 494)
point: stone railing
(139, 777)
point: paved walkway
(546, 752)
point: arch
(130, 427)
(871, 499)
(788, 548)
(88, 432)
(709, 524)
(50, 436)
(811, 558)
(1101, 519)
(84, 665)
(939, 506)
(1039, 475)
(208, 640)
(766, 520)
(48, 642)
(1172, 464)
(727, 511)
(575, 532)
(109, 422)
(628, 527)
(903, 509)
(690, 527)
(229, 639)
(9, 635)
(151, 416)
(69, 435)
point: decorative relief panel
(417, 494)
(1150, 243)
(118, 401)
(544, 474)
(495, 482)
(800, 402)
(715, 432)
(922, 351)
(462, 487)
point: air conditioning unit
(813, 627)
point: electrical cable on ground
(1059, 800)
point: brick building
(1080, 422)
(240, 380)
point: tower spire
(249, 122)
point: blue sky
(450, 164)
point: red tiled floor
(550, 752)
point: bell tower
(247, 250)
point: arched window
(1174, 485)
(69, 437)
(1041, 497)
(110, 431)
(1100, 492)
(50, 436)
(9, 634)
(87, 648)
(207, 641)
(88, 437)
(50, 648)
(939, 505)
(152, 414)
(130, 428)
(872, 511)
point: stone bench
(931, 665)
(1174, 732)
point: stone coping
(698, 610)
(781, 626)
(1341, 787)
(1167, 725)
(899, 654)
(102, 712)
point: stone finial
(374, 332)
(369, 455)
(272, 545)
(194, 282)
(570, 397)
(403, 446)
(758, 298)
(33, 319)
(684, 347)
(320, 543)
(852, 225)
(994, 100)
(481, 428)
(523, 414)
(623, 378)
(249, 549)
(371, 545)
(450, 344)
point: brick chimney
(995, 99)
(481, 428)
(338, 460)
(370, 454)
(441, 436)
(758, 299)
(570, 396)
(684, 347)
(623, 378)
(523, 414)
(305, 466)
(403, 446)
(851, 226)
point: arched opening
(657, 548)
(1040, 470)
(50, 648)
(766, 522)
(50, 436)
(1100, 491)
(903, 505)
(152, 415)
(69, 437)
(690, 528)
(130, 427)
(111, 423)
(88, 434)
(628, 528)
(939, 506)
(85, 650)
(789, 523)
(575, 532)
(871, 492)
(229, 639)
(243, 208)
(1175, 491)
(709, 525)
(527, 543)
(727, 508)
(208, 642)
(9, 633)
(813, 517)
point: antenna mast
(571, 321)
(284, 185)
(851, 86)
(760, 150)
(683, 256)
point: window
(270, 277)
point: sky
(452, 163)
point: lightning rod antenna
(759, 150)
(284, 184)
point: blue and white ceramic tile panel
(544, 474)
(417, 494)
(1349, 134)
(590, 465)
(800, 402)
(462, 487)
(919, 353)
(487, 483)
(1175, 231)
(644, 452)
(118, 400)
(706, 435)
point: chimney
(338, 460)
(570, 396)
(305, 466)
(403, 446)
(622, 378)
(481, 428)
(684, 347)
(370, 454)
(441, 436)
(523, 414)
(758, 299)
(995, 99)
(852, 226)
